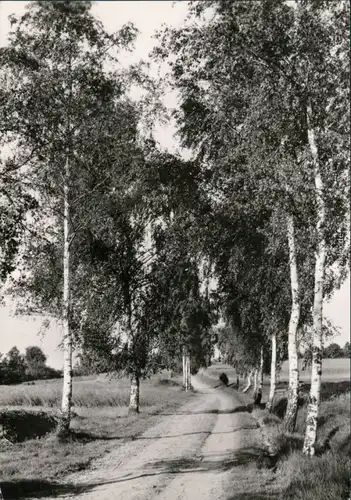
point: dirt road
(205, 451)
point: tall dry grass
(86, 393)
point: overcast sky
(148, 16)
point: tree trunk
(259, 381)
(316, 375)
(255, 381)
(134, 394)
(293, 394)
(188, 371)
(249, 377)
(260, 377)
(185, 372)
(272, 386)
(65, 418)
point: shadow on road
(256, 495)
(87, 437)
(238, 409)
(36, 488)
(213, 462)
(39, 488)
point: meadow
(90, 392)
(334, 370)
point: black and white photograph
(175, 250)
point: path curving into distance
(207, 450)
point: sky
(148, 16)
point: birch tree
(327, 124)
(58, 103)
(291, 411)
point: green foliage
(245, 75)
(333, 351)
(35, 362)
(347, 350)
(16, 368)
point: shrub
(224, 379)
(20, 425)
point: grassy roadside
(325, 476)
(297, 477)
(31, 465)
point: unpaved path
(201, 452)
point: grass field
(100, 423)
(87, 393)
(333, 370)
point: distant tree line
(16, 368)
(335, 351)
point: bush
(20, 425)
(224, 379)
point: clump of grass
(323, 477)
(271, 420)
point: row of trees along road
(263, 90)
(119, 239)
(105, 214)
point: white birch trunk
(184, 370)
(255, 381)
(293, 394)
(64, 423)
(273, 380)
(134, 394)
(249, 377)
(260, 376)
(259, 381)
(188, 372)
(317, 345)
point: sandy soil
(204, 451)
